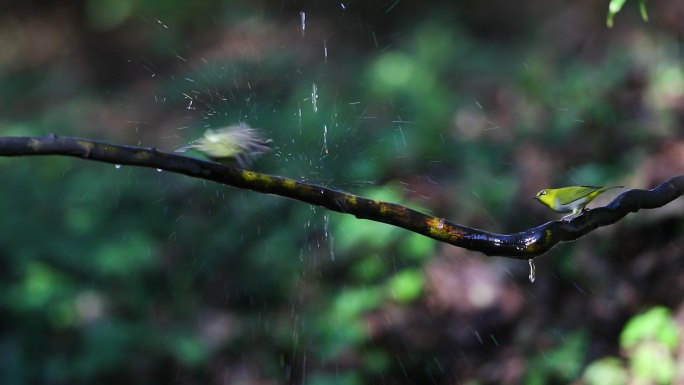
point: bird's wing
(578, 192)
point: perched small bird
(571, 199)
(238, 143)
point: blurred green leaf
(339, 378)
(107, 14)
(652, 362)
(406, 286)
(642, 10)
(418, 247)
(616, 5)
(128, 255)
(655, 324)
(564, 363)
(369, 268)
(606, 371)
(122, 275)
(613, 8)
(41, 286)
(350, 303)
(188, 350)
(339, 336)
(43, 291)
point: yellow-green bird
(571, 199)
(238, 143)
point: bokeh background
(460, 109)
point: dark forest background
(464, 110)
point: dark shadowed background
(464, 110)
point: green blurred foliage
(656, 324)
(616, 5)
(562, 364)
(649, 342)
(461, 109)
(606, 371)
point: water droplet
(328, 236)
(314, 97)
(533, 271)
(117, 166)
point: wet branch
(522, 245)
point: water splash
(533, 271)
(302, 17)
(314, 97)
(117, 166)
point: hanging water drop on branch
(533, 271)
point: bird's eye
(542, 192)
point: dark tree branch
(523, 245)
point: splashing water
(533, 271)
(314, 97)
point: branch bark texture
(522, 245)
